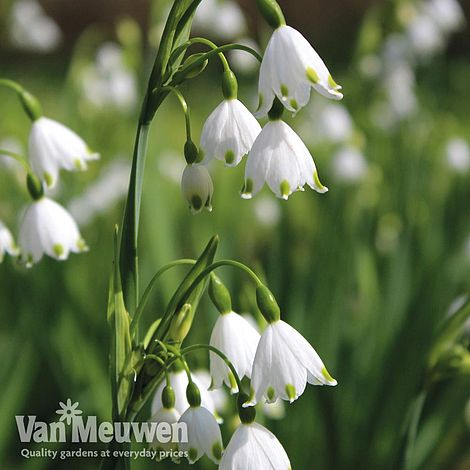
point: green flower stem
(211, 53)
(200, 278)
(212, 45)
(174, 350)
(151, 285)
(227, 361)
(12, 85)
(15, 156)
(30, 103)
(160, 361)
(184, 107)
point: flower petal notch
(49, 229)
(284, 363)
(53, 146)
(280, 159)
(290, 68)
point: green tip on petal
(229, 157)
(233, 383)
(312, 76)
(285, 189)
(48, 179)
(319, 186)
(78, 164)
(327, 376)
(217, 450)
(270, 393)
(290, 390)
(58, 250)
(260, 101)
(192, 454)
(196, 203)
(294, 104)
(284, 91)
(247, 189)
(81, 245)
(333, 84)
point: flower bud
(193, 395)
(267, 304)
(190, 152)
(34, 186)
(192, 68)
(181, 323)
(220, 295)
(197, 187)
(229, 85)
(168, 397)
(271, 12)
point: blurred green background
(366, 272)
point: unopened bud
(220, 295)
(267, 304)
(197, 188)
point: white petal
(48, 228)
(7, 244)
(229, 132)
(53, 146)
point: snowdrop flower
(280, 158)
(447, 14)
(349, 165)
(458, 155)
(53, 146)
(179, 383)
(203, 431)
(31, 29)
(49, 229)
(167, 414)
(252, 446)
(284, 363)
(238, 340)
(197, 187)
(7, 244)
(229, 132)
(290, 68)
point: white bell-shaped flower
(252, 446)
(290, 68)
(204, 435)
(229, 132)
(197, 187)
(280, 158)
(47, 228)
(169, 416)
(179, 383)
(7, 244)
(238, 340)
(53, 146)
(284, 363)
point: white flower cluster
(279, 363)
(47, 228)
(276, 155)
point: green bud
(190, 152)
(193, 395)
(30, 104)
(248, 414)
(267, 304)
(34, 186)
(229, 85)
(168, 397)
(219, 295)
(181, 324)
(276, 111)
(271, 12)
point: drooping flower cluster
(277, 156)
(46, 227)
(278, 363)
